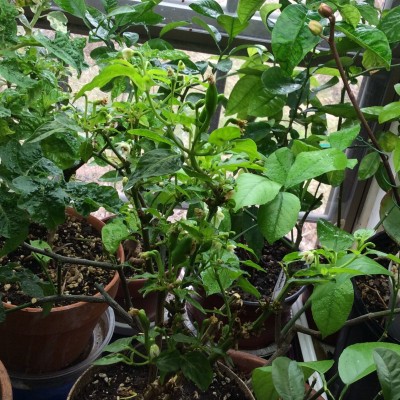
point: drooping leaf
(247, 8)
(153, 163)
(377, 49)
(388, 368)
(254, 189)
(390, 213)
(212, 30)
(279, 216)
(208, 8)
(389, 112)
(390, 24)
(357, 360)
(291, 37)
(173, 25)
(333, 237)
(369, 165)
(331, 304)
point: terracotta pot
(32, 343)
(88, 375)
(247, 362)
(249, 313)
(5, 384)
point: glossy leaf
(277, 82)
(266, 10)
(265, 104)
(222, 135)
(288, 379)
(311, 164)
(246, 146)
(173, 25)
(278, 165)
(342, 139)
(232, 25)
(208, 8)
(388, 368)
(73, 7)
(396, 156)
(278, 217)
(363, 264)
(345, 110)
(357, 360)
(331, 304)
(254, 189)
(378, 52)
(390, 213)
(389, 112)
(212, 30)
(369, 165)
(332, 237)
(247, 8)
(350, 14)
(291, 37)
(156, 162)
(390, 24)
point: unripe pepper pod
(325, 11)
(315, 27)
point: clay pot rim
(288, 300)
(93, 221)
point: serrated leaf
(372, 40)
(291, 37)
(254, 189)
(279, 216)
(369, 165)
(333, 237)
(331, 304)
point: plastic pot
(33, 343)
(56, 385)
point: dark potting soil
(75, 238)
(121, 381)
(272, 255)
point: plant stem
(360, 115)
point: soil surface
(272, 255)
(121, 381)
(75, 238)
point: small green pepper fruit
(315, 27)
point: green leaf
(279, 216)
(113, 233)
(396, 157)
(232, 25)
(291, 37)
(390, 213)
(288, 379)
(369, 165)
(266, 10)
(156, 137)
(208, 8)
(246, 146)
(331, 304)
(390, 24)
(118, 68)
(278, 165)
(220, 136)
(265, 104)
(369, 13)
(263, 384)
(73, 7)
(119, 345)
(388, 368)
(153, 163)
(372, 40)
(212, 30)
(40, 244)
(196, 367)
(254, 190)
(350, 14)
(58, 21)
(357, 360)
(311, 164)
(173, 25)
(333, 237)
(363, 264)
(345, 110)
(389, 112)
(342, 139)
(277, 82)
(245, 89)
(247, 8)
